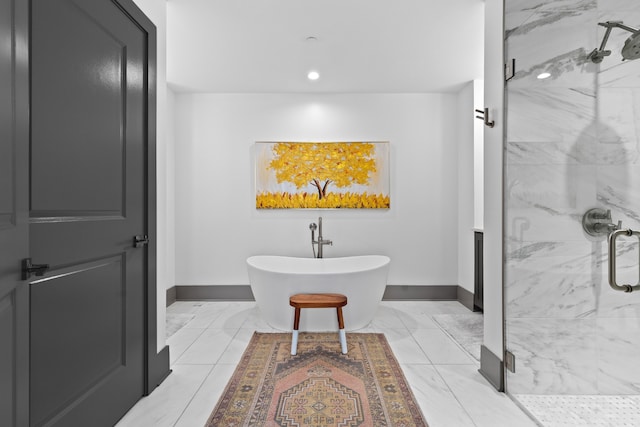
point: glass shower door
(571, 145)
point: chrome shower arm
(616, 24)
(598, 54)
(605, 39)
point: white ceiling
(257, 46)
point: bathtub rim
(324, 266)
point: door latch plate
(140, 240)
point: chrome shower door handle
(612, 260)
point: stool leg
(294, 334)
(294, 343)
(343, 336)
(343, 341)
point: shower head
(313, 227)
(631, 48)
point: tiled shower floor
(583, 411)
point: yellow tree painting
(316, 175)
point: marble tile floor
(443, 376)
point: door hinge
(28, 269)
(510, 361)
(509, 69)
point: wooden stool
(299, 301)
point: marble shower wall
(572, 143)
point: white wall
(470, 178)
(465, 190)
(478, 157)
(156, 11)
(218, 227)
(170, 203)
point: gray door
(14, 190)
(87, 202)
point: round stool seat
(317, 300)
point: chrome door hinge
(509, 69)
(510, 361)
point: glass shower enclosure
(571, 145)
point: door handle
(612, 260)
(140, 240)
(28, 269)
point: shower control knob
(597, 222)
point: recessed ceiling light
(543, 76)
(313, 75)
(312, 39)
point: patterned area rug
(318, 387)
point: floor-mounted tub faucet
(320, 242)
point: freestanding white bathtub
(274, 279)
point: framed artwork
(322, 175)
